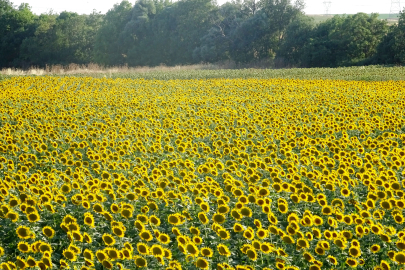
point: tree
(215, 45)
(296, 36)
(392, 48)
(343, 40)
(15, 26)
(108, 50)
(63, 39)
(259, 37)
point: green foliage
(107, 48)
(155, 32)
(296, 36)
(392, 48)
(67, 38)
(343, 41)
(15, 25)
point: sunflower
(314, 267)
(198, 240)
(252, 254)
(13, 216)
(127, 253)
(139, 225)
(70, 255)
(345, 192)
(303, 243)
(21, 263)
(192, 249)
(174, 219)
(194, 230)
(246, 211)
(375, 248)
(237, 227)
(164, 238)
(23, 232)
(223, 266)
(351, 262)
(262, 233)
(101, 255)
(223, 209)
(107, 264)
(224, 234)
(223, 250)
(327, 210)
(249, 234)
(74, 248)
(324, 244)
(283, 208)
(207, 252)
(33, 217)
(88, 254)
(340, 242)
(76, 235)
(108, 239)
(44, 247)
(202, 263)
(112, 253)
(266, 248)
(87, 238)
(98, 208)
(31, 262)
(176, 231)
(308, 256)
(399, 257)
(288, 239)
(168, 253)
(24, 247)
(400, 244)
(332, 260)
(89, 220)
(154, 220)
(146, 235)
(48, 232)
(142, 248)
(385, 237)
(140, 261)
(203, 218)
(236, 214)
(157, 250)
(119, 231)
(385, 265)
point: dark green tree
(259, 37)
(216, 43)
(392, 48)
(296, 36)
(344, 41)
(108, 50)
(64, 39)
(15, 25)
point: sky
(312, 6)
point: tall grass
(226, 70)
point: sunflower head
(70, 255)
(202, 263)
(108, 239)
(23, 232)
(140, 261)
(142, 248)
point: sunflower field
(201, 174)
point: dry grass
(97, 70)
(92, 69)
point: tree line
(155, 32)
